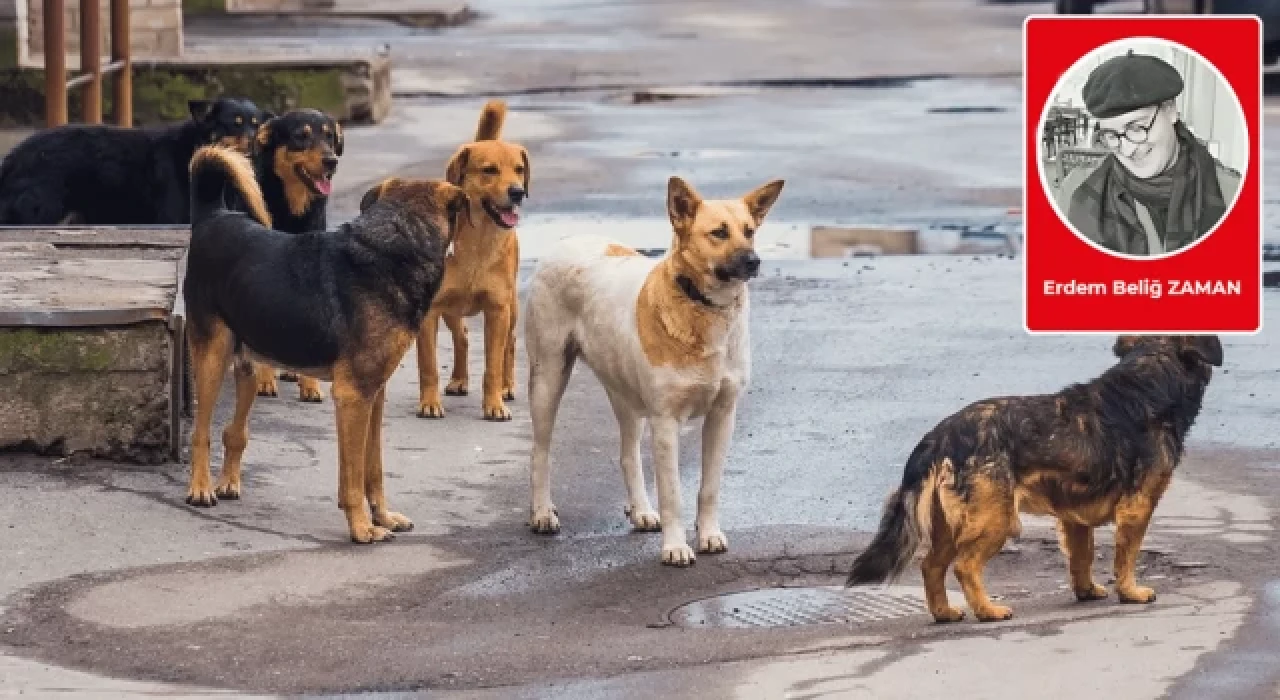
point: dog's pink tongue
(510, 217)
(325, 185)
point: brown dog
(480, 275)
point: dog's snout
(516, 194)
(750, 262)
(330, 162)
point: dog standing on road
(667, 339)
(295, 157)
(480, 275)
(1091, 454)
(343, 306)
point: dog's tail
(492, 118)
(902, 524)
(214, 169)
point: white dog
(667, 339)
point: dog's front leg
(497, 329)
(354, 411)
(373, 486)
(1133, 515)
(717, 430)
(429, 405)
(666, 470)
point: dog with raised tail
(668, 339)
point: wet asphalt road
(853, 361)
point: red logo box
(1073, 285)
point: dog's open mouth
(320, 185)
(506, 217)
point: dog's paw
(1095, 592)
(286, 376)
(545, 521)
(430, 409)
(267, 386)
(993, 613)
(1137, 594)
(393, 521)
(309, 391)
(714, 542)
(948, 614)
(496, 412)
(678, 555)
(366, 534)
(228, 491)
(202, 497)
(456, 387)
(643, 519)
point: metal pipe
(55, 64)
(91, 59)
(108, 69)
(122, 91)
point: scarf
(1185, 201)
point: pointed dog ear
(1202, 348)
(761, 199)
(457, 168)
(1124, 344)
(682, 204)
(339, 140)
(199, 109)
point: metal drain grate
(791, 607)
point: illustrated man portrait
(1158, 189)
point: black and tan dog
(480, 275)
(343, 306)
(1092, 454)
(295, 157)
(100, 175)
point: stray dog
(295, 157)
(99, 175)
(342, 306)
(1091, 454)
(667, 339)
(480, 274)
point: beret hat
(1132, 81)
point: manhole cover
(790, 607)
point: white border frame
(1248, 163)
(1027, 234)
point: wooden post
(91, 59)
(122, 94)
(55, 64)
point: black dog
(1089, 455)
(113, 176)
(295, 156)
(342, 306)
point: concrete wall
(155, 26)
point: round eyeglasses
(1133, 133)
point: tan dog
(669, 341)
(480, 275)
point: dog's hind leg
(209, 356)
(266, 380)
(309, 389)
(1133, 514)
(1077, 544)
(458, 382)
(933, 569)
(551, 363)
(630, 428)
(981, 524)
(373, 488)
(429, 405)
(236, 435)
